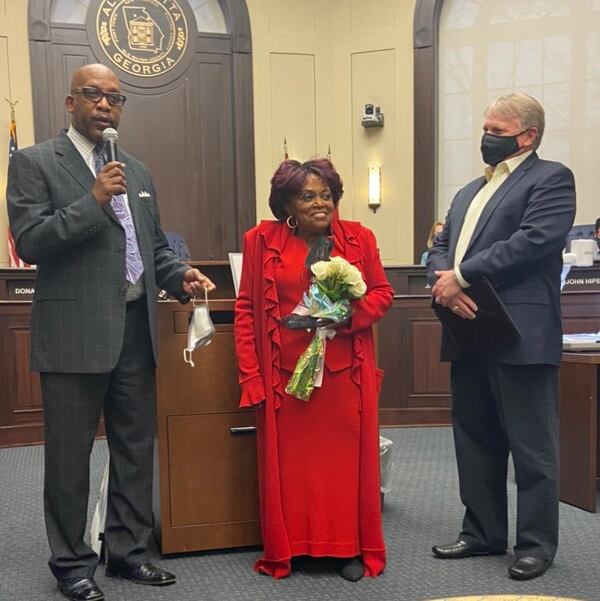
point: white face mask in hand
(200, 330)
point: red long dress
(318, 460)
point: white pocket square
(144, 194)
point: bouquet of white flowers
(334, 284)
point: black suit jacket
(78, 313)
(517, 245)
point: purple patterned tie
(133, 259)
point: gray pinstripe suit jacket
(78, 314)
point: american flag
(15, 260)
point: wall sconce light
(374, 186)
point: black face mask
(494, 149)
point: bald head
(83, 74)
(90, 117)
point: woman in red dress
(318, 461)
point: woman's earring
(291, 222)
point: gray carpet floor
(422, 508)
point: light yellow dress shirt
(495, 178)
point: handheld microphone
(110, 138)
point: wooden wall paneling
(237, 18)
(40, 64)
(153, 128)
(425, 44)
(216, 192)
(425, 176)
(203, 173)
(245, 192)
(65, 58)
(190, 152)
(67, 51)
(69, 35)
(21, 418)
(39, 20)
(238, 23)
(212, 45)
(42, 75)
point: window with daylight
(208, 13)
(547, 48)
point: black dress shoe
(352, 569)
(459, 549)
(145, 573)
(80, 589)
(526, 568)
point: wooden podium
(206, 492)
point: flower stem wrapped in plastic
(327, 301)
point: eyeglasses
(95, 95)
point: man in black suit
(93, 231)
(509, 227)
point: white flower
(357, 290)
(320, 269)
(331, 274)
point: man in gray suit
(509, 227)
(93, 231)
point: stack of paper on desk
(588, 341)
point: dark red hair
(289, 179)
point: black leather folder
(492, 329)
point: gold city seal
(143, 37)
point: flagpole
(13, 120)
(14, 259)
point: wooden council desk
(579, 460)
(201, 431)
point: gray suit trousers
(499, 409)
(73, 403)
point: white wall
(15, 84)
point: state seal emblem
(145, 38)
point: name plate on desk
(20, 290)
(17, 284)
(583, 279)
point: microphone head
(110, 135)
